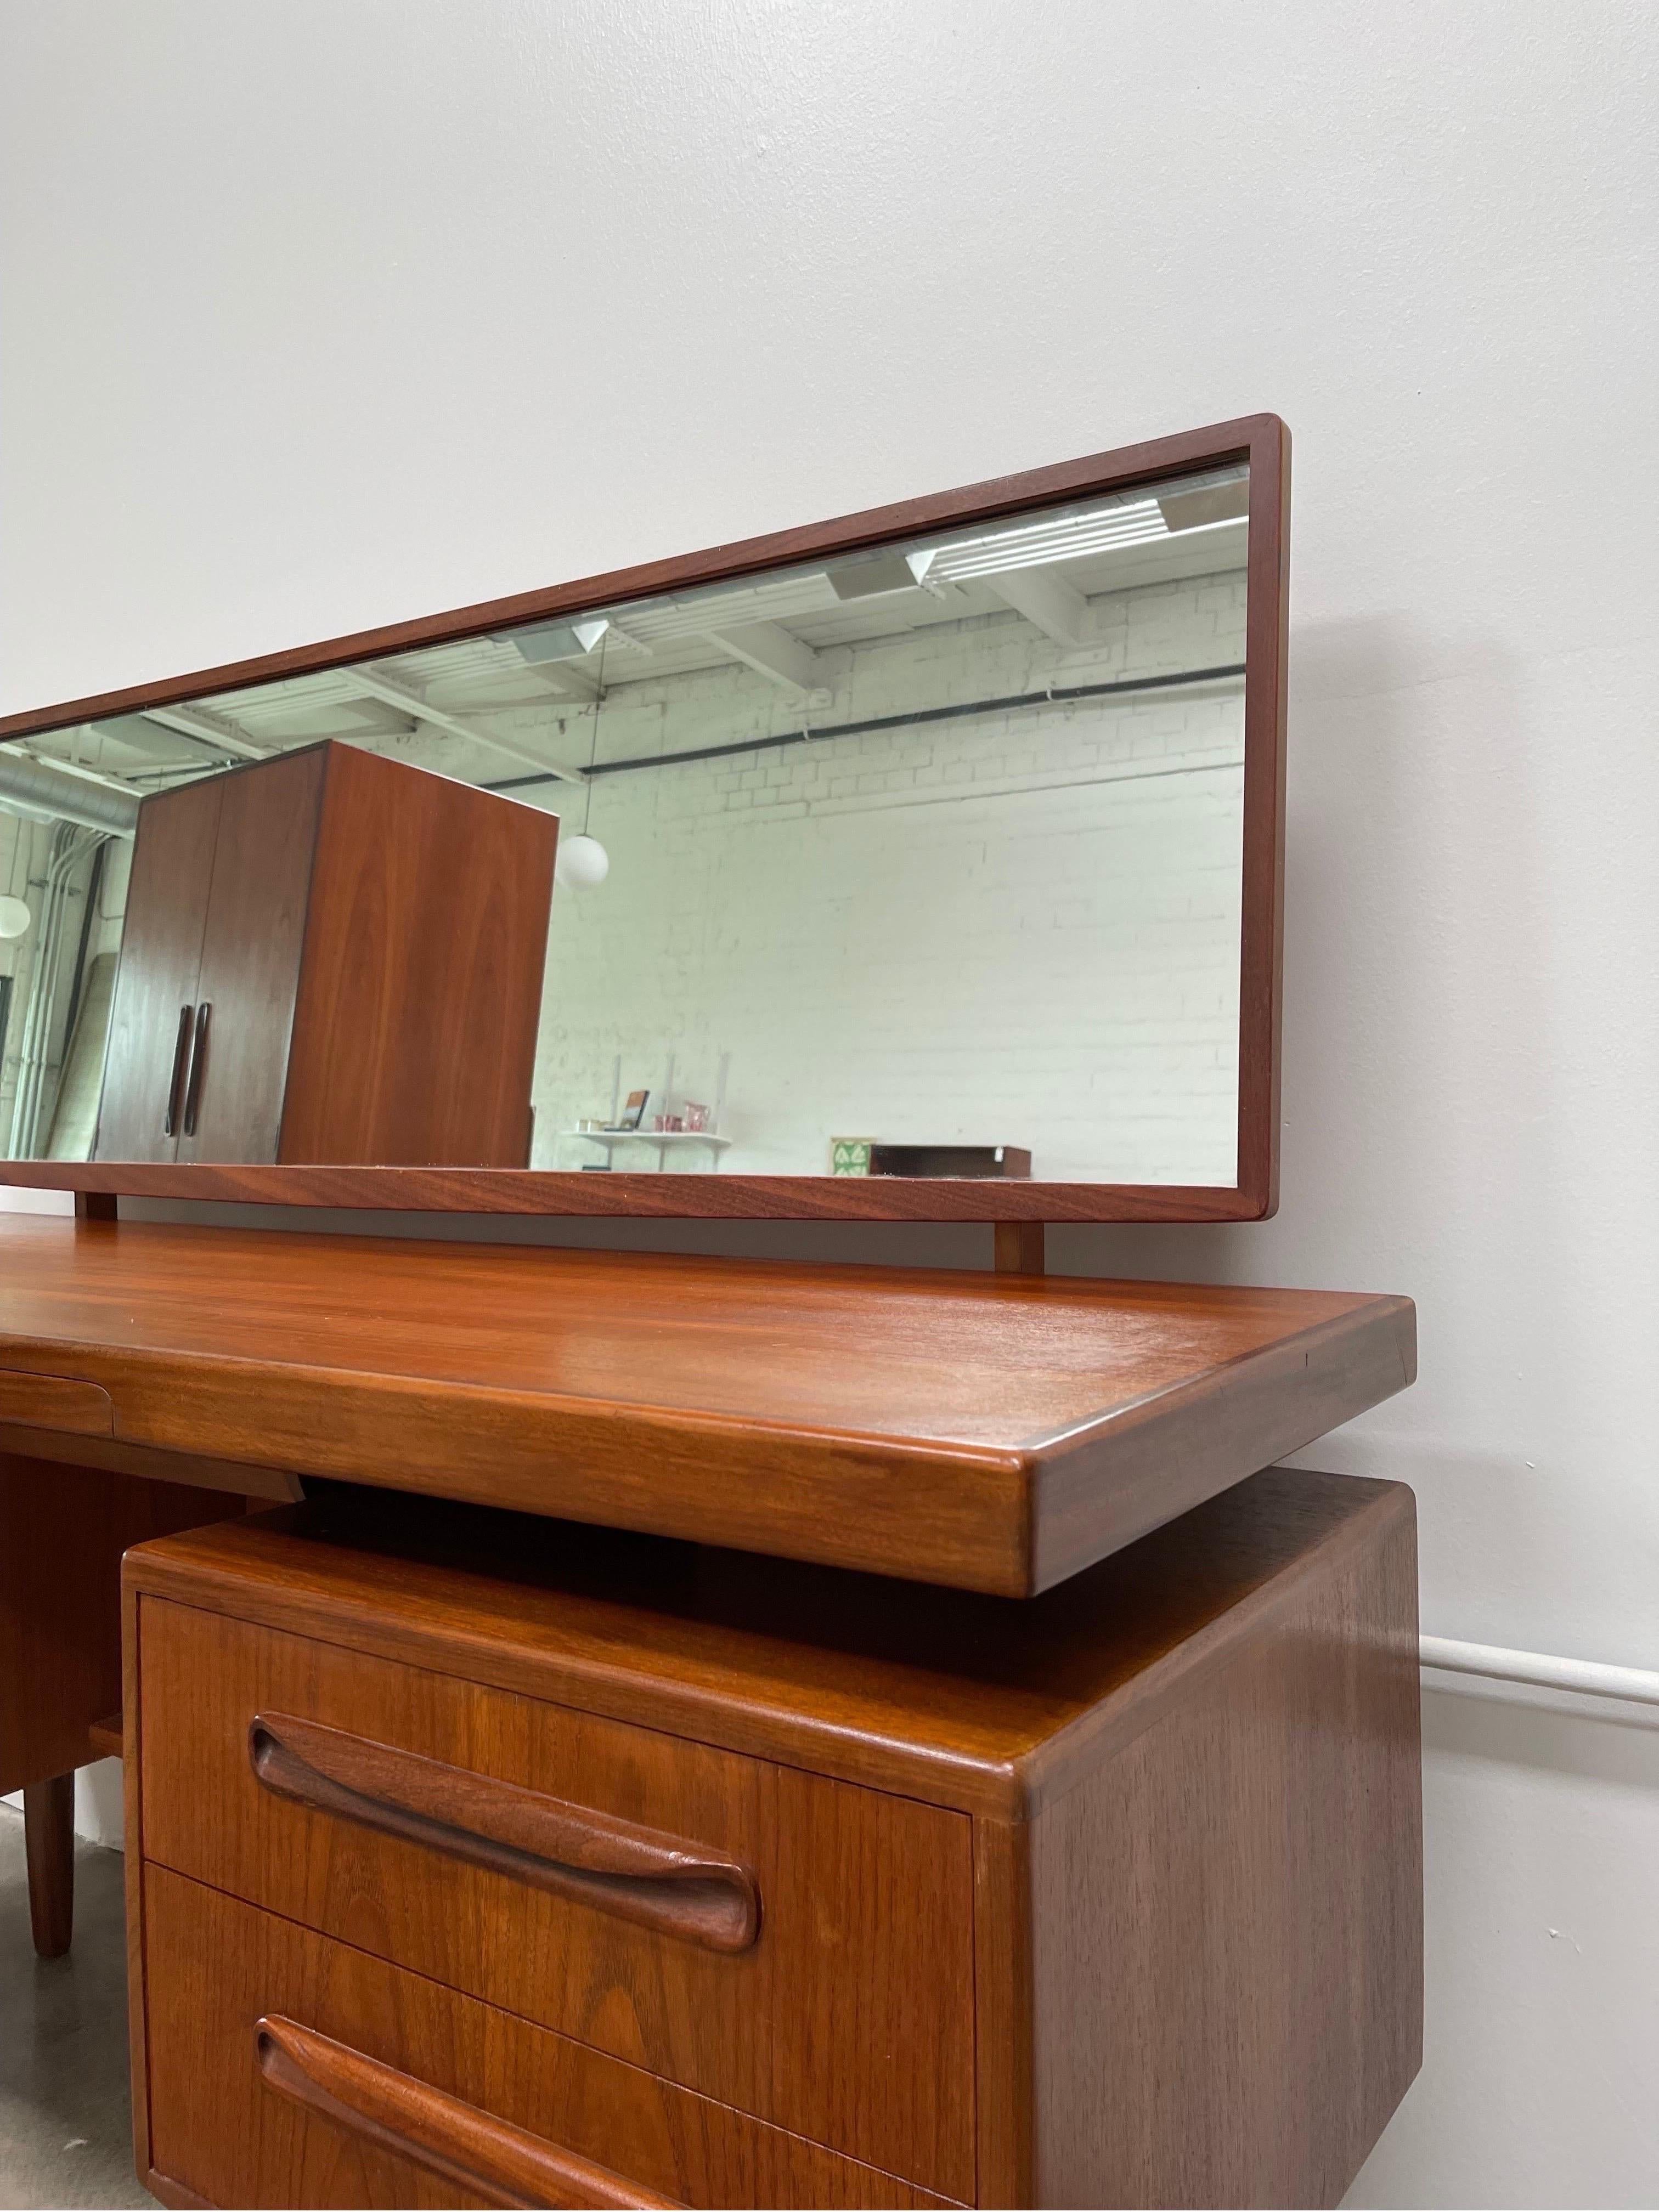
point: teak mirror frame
(1263, 441)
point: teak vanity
(605, 1728)
(478, 1858)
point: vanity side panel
(1227, 1912)
(1004, 2148)
(132, 1827)
(62, 1530)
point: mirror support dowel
(1019, 1248)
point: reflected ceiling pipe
(70, 845)
(31, 788)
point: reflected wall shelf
(665, 1141)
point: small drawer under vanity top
(286, 2069)
(54, 1402)
(723, 1922)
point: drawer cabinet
(727, 1923)
(287, 2069)
(477, 1860)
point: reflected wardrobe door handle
(170, 1119)
(197, 1063)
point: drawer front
(50, 1402)
(286, 2069)
(796, 1948)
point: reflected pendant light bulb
(581, 863)
(15, 916)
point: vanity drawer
(53, 1401)
(284, 2068)
(796, 1948)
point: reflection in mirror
(922, 861)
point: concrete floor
(65, 2119)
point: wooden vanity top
(994, 1432)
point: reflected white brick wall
(1018, 927)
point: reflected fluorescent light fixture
(1137, 520)
(570, 641)
(1207, 506)
(879, 572)
(159, 741)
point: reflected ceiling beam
(374, 683)
(154, 740)
(564, 680)
(775, 654)
(210, 729)
(1047, 602)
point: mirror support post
(1018, 1248)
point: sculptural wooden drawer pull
(469, 2150)
(591, 1857)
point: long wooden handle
(594, 1857)
(170, 1117)
(198, 1053)
(469, 2150)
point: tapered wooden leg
(49, 1844)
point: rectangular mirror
(929, 860)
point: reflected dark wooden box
(980, 1161)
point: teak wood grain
(984, 1706)
(255, 933)
(49, 1854)
(166, 906)
(352, 951)
(861, 1945)
(457, 2143)
(536, 1191)
(223, 2131)
(74, 1448)
(1192, 1776)
(680, 1888)
(992, 1431)
(62, 1530)
(46, 1401)
(1260, 440)
(420, 990)
(1226, 1919)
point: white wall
(320, 316)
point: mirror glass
(924, 860)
